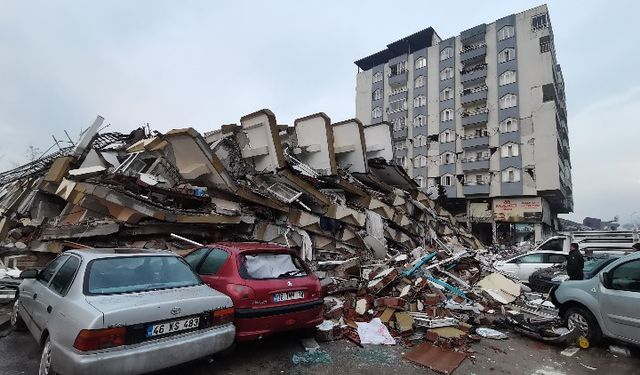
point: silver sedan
(119, 311)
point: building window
(419, 101)
(446, 53)
(398, 68)
(399, 146)
(402, 161)
(421, 62)
(446, 180)
(507, 78)
(377, 95)
(508, 101)
(420, 161)
(419, 120)
(507, 54)
(398, 90)
(399, 123)
(545, 44)
(446, 94)
(419, 141)
(539, 22)
(377, 77)
(446, 73)
(511, 175)
(548, 92)
(419, 82)
(377, 112)
(447, 136)
(447, 158)
(446, 115)
(420, 181)
(506, 33)
(397, 106)
(509, 125)
(509, 149)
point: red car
(272, 289)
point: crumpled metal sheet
(439, 360)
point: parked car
(592, 242)
(605, 305)
(271, 287)
(121, 312)
(523, 265)
(544, 279)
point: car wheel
(16, 321)
(45, 359)
(582, 319)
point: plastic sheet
(269, 266)
(375, 333)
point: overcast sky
(205, 63)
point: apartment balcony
(473, 53)
(399, 134)
(475, 142)
(476, 117)
(474, 95)
(469, 164)
(476, 189)
(476, 73)
(398, 79)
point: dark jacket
(575, 265)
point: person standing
(575, 263)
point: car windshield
(271, 266)
(591, 264)
(138, 274)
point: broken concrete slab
(437, 359)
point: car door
(522, 267)
(31, 290)
(210, 266)
(51, 294)
(620, 300)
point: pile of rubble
(330, 190)
(436, 300)
(388, 255)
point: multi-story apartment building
(482, 114)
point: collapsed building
(330, 190)
(387, 254)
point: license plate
(288, 296)
(174, 326)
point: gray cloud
(202, 64)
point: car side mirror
(29, 274)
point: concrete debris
(491, 333)
(621, 350)
(570, 351)
(437, 359)
(309, 344)
(393, 264)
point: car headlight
(560, 278)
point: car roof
(94, 253)
(241, 247)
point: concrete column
(494, 231)
(538, 232)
